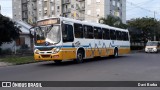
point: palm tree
(112, 21)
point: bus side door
(68, 39)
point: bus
(61, 38)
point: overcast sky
(134, 9)
(143, 8)
(6, 7)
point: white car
(152, 46)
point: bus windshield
(47, 35)
(152, 43)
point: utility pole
(154, 26)
(0, 9)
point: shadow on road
(67, 63)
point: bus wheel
(79, 56)
(58, 61)
(115, 52)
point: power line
(142, 3)
(137, 6)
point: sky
(6, 7)
(134, 8)
(143, 8)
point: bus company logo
(77, 44)
(47, 43)
(6, 84)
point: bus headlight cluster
(36, 51)
(56, 50)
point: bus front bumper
(49, 57)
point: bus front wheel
(58, 61)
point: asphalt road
(132, 67)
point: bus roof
(88, 23)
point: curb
(12, 64)
(3, 64)
(136, 51)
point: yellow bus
(58, 39)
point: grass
(18, 59)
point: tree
(8, 30)
(113, 21)
(145, 27)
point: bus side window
(88, 32)
(106, 34)
(113, 34)
(125, 36)
(78, 30)
(122, 35)
(97, 33)
(118, 34)
(67, 33)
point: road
(132, 67)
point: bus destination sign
(48, 22)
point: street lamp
(154, 26)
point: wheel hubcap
(116, 54)
(80, 56)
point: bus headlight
(56, 50)
(36, 51)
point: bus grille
(45, 49)
(45, 56)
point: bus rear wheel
(80, 56)
(58, 61)
(115, 52)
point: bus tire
(57, 61)
(116, 52)
(80, 56)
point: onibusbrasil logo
(21, 84)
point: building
(25, 10)
(48, 8)
(96, 9)
(73, 9)
(67, 8)
(17, 10)
(89, 10)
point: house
(25, 38)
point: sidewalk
(2, 64)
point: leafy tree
(8, 30)
(143, 29)
(113, 21)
